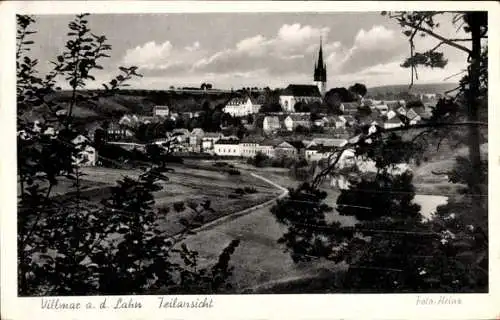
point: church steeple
(320, 69)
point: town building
(116, 132)
(294, 120)
(249, 146)
(285, 149)
(349, 159)
(240, 107)
(266, 147)
(227, 147)
(312, 153)
(161, 111)
(299, 147)
(208, 141)
(271, 123)
(394, 122)
(295, 93)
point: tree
(358, 89)
(301, 107)
(250, 119)
(71, 245)
(270, 107)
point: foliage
(71, 245)
(359, 89)
(270, 107)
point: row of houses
(383, 115)
(312, 150)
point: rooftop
(301, 90)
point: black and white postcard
(249, 160)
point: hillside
(139, 102)
(416, 88)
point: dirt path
(259, 259)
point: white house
(208, 141)
(391, 114)
(249, 146)
(294, 120)
(240, 107)
(349, 159)
(227, 147)
(87, 155)
(161, 111)
(329, 142)
(395, 122)
(285, 149)
(311, 153)
(266, 147)
(271, 123)
(299, 93)
(116, 131)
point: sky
(231, 50)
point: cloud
(374, 38)
(297, 34)
(375, 46)
(148, 54)
(153, 58)
(286, 52)
(195, 46)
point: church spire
(320, 69)
(320, 55)
(320, 66)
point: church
(305, 93)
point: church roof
(302, 90)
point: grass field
(193, 186)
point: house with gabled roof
(295, 93)
(208, 141)
(267, 146)
(294, 120)
(285, 149)
(395, 122)
(242, 106)
(271, 123)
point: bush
(250, 190)
(233, 172)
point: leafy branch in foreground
(69, 244)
